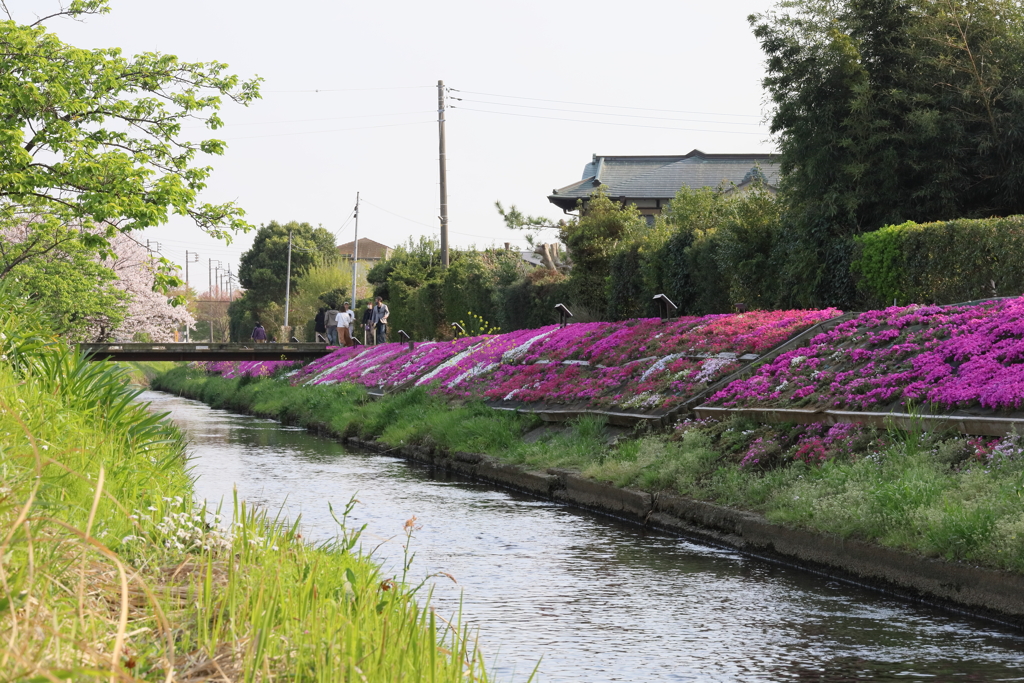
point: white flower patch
(477, 369)
(659, 366)
(647, 399)
(510, 395)
(444, 366)
(710, 368)
(793, 362)
(324, 373)
(513, 356)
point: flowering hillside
(646, 363)
(948, 356)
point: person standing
(345, 319)
(319, 326)
(259, 334)
(331, 321)
(380, 321)
(367, 317)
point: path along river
(595, 599)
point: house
(651, 182)
(370, 254)
(368, 250)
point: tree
(95, 135)
(91, 146)
(262, 272)
(887, 111)
(592, 240)
(150, 315)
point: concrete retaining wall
(964, 589)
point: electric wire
(610, 123)
(599, 113)
(332, 118)
(318, 90)
(607, 106)
(426, 225)
(336, 130)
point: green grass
(923, 493)
(143, 372)
(109, 571)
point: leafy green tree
(95, 136)
(886, 111)
(90, 146)
(592, 240)
(263, 269)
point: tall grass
(109, 570)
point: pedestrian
(319, 326)
(380, 321)
(331, 321)
(367, 317)
(345, 319)
(259, 335)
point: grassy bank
(938, 495)
(108, 570)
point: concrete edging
(967, 590)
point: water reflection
(599, 601)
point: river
(590, 598)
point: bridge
(204, 351)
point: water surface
(593, 599)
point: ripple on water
(598, 600)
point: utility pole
(355, 257)
(444, 175)
(288, 284)
(231, 290)
(188, 259)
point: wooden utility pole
(444, 175)
(188, 259)
(288, 287)
(355, 257)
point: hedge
(944, 262)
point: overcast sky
(680, 75)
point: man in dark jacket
(259, 335)
(319, 326)
(367, 318)
(380, 321)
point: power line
(610, 123)
(364, 201)
(433, 227)
(607, 106)
(599, 113)
(333, 118)
(406, 87)
(335, 130)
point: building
(651, 182)
(370, 253)
(368, 250)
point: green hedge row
(944, 262)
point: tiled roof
(661, 177)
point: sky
(349, 103)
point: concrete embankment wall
(974, 591)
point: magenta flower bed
(257, 368)
(644, 364)
(950, 357)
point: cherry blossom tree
(150, 315)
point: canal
(592, 599)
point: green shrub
(945, 262)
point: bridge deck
(205, 351)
